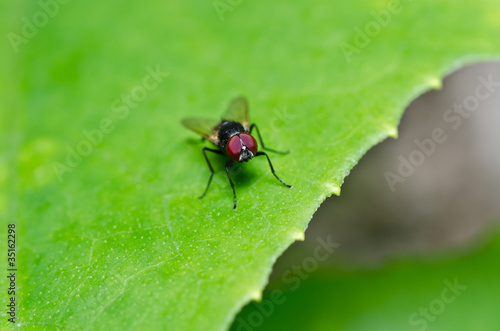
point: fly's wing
(238, 112)
(206, 127)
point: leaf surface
(102, 180)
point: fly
(232, 136)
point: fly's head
(241, 147)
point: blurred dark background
(403, 250)
(448, 203)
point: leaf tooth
(435, 83)
(256, 295)
(332, 188)
(299, 235)
(392, 132)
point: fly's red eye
(233, 148)
(249, 141)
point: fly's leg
(262, 142)
(210, 166)
(272, 169)
(228, 164)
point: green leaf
(458, 292)
(103, 186)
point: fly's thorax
(227, 129)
